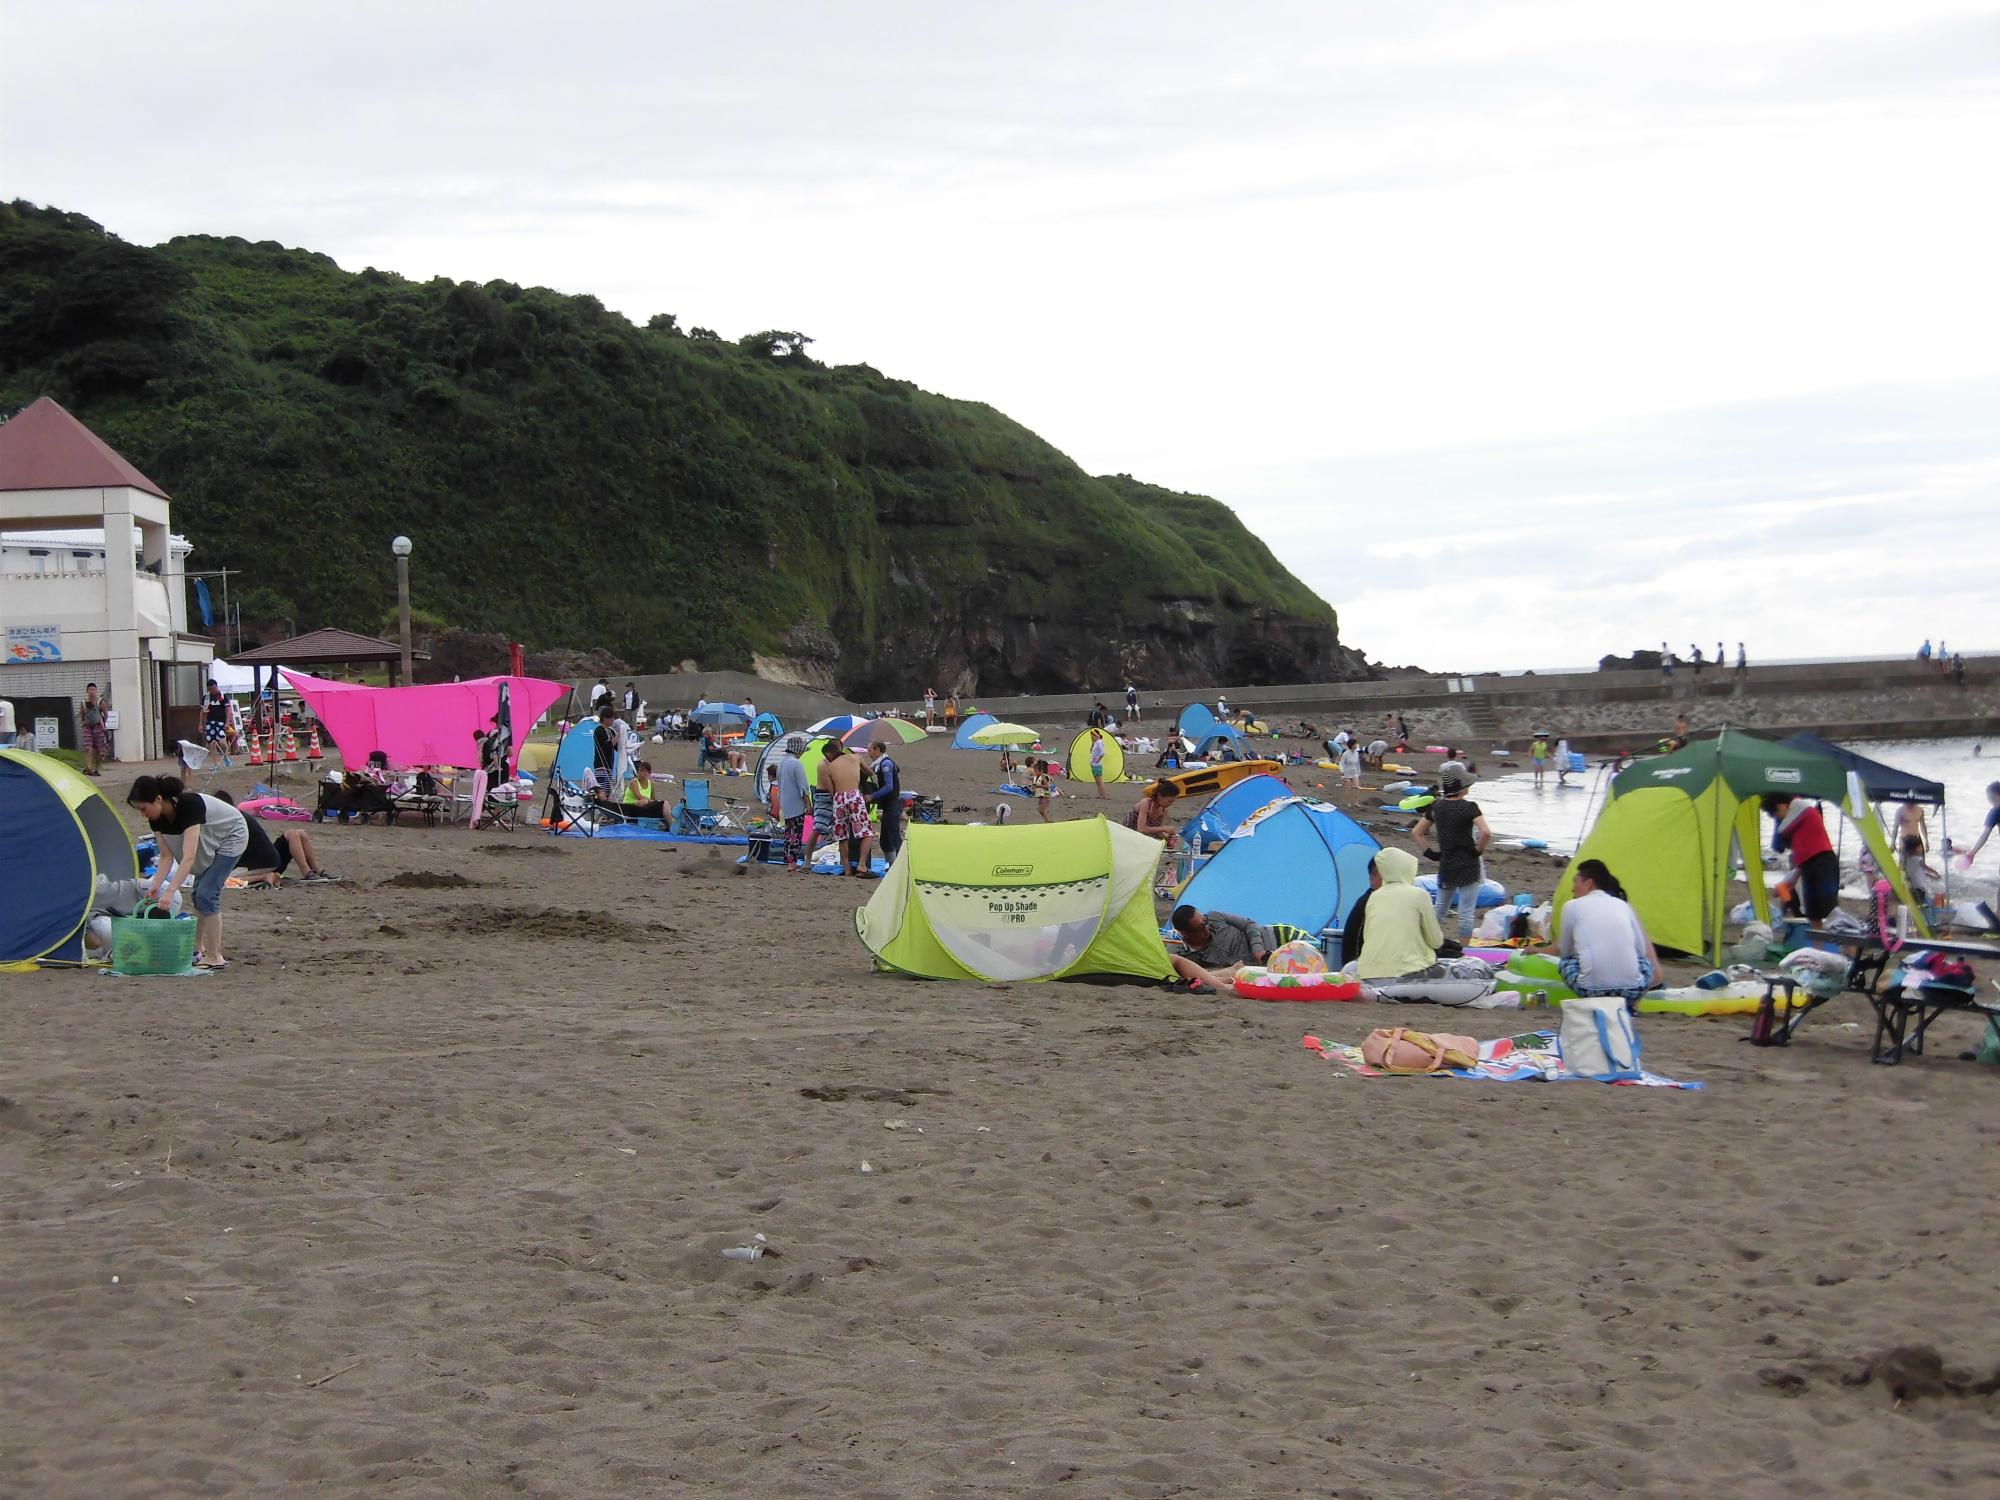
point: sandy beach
(426, 1195)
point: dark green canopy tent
(1675, 824)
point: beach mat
(657, 835)
(1529, 1056)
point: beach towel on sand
(1507, 1059)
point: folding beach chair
(570, 806)
(1906, 1006)
(693, 814)
(500, 809)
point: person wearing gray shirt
(1220, 942)
(794, 802)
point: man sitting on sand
(840, 777)
(1215, 944)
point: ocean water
(1514, 808)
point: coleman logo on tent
(1668, 773)
(1787, 775)
(1012, 872)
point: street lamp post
(401, 547)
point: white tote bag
(1598, 1039)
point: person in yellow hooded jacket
(1399, 946)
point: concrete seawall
(1888, 699)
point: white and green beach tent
(1034, 901)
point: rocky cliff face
(989, 643)
(574, 480)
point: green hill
(575, 480)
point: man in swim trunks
(840, 776)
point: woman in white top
(1603, 949)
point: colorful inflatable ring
(1332, 987)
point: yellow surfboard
(1211, 779)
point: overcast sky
(1523, 332)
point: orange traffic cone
(313, 752)
(256, 757)
(291, 744)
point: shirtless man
(840, 775)
(1910, 824)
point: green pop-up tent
(1675, 824)
(1033, 901)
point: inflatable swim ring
(1300, 959)
(1437, 749)
(1414, 804)
(1259, 984)
(1390, 765)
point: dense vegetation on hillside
(573, 479)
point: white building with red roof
(92, 588)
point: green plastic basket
(151, 945)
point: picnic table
(1904, 1007)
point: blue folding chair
(692, 814)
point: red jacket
(1803, 835)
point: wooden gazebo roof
(323, 648)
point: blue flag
(203, 603)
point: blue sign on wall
(30, 644)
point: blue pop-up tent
(57, 835)
(1221, 743)
(1298, 862)
(963, 739)
(1228, 808)
(1197, 722)
(765, 726)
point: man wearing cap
(1462, 837)
(794, 800)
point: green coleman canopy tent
(57, 835)
(1029, 901)
(1675, 824)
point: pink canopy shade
(432, 724)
